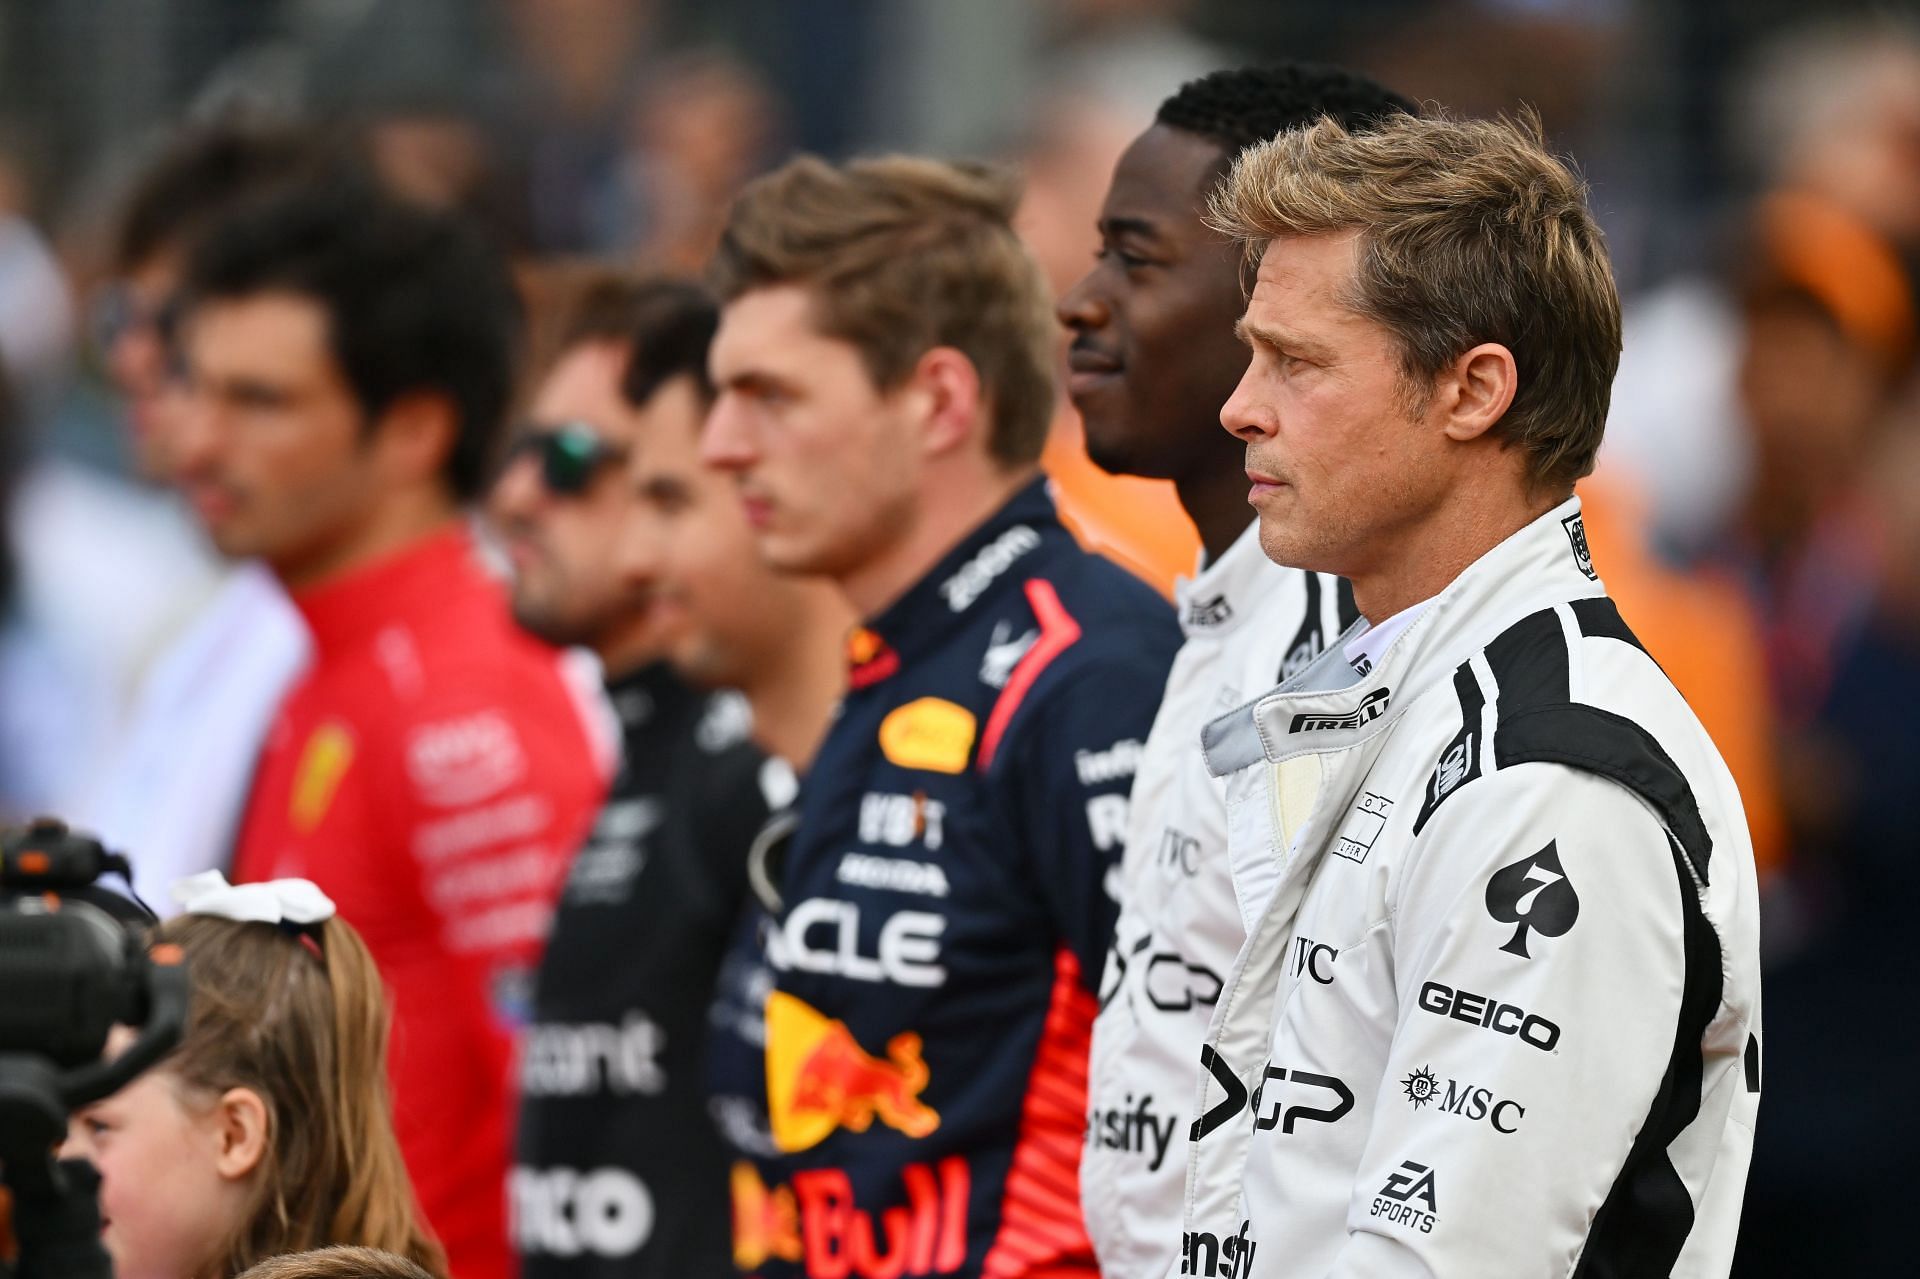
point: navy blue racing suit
(945, 908)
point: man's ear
(947, 388)
(1476, 391)
(241, 1130)
(416, 434)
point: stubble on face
(1354, 467)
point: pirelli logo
(1371, 707)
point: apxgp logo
(1309, 1087)
(1533, 893)
(1409, 1186)
(1371, 707)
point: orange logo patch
(819, 1078)
(929, 733)
(324, 762)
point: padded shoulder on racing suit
(946, 906)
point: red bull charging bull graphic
(819, 1078)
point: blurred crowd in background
(1757, 509)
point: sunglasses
(570, 455)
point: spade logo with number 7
(1535, 894)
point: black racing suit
(619, 1172)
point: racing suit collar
(1220, 596)
(1328, 706)
(975, 572)
(415, 581)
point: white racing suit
(1498, 1012)
(1247, 622)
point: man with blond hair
(1498, 1009)
(883, 368)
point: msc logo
(1489, 1014)
(1465, 1100)
(1229, 1258)
(820, 1080)
(1371, 707)
(1283, 1118)
(1411, 1184)
(822, 935)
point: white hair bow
(293, 903)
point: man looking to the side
(1498, 1011)
(1153, 357)
(884, 394)
(620, 1172)
(348, 360)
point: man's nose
(1081, 307)
(1246, 415)
(517, 490)
(726, 443)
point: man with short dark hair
(1153, 358)
(1498, 1011)
(172, 793)
(619, 1170)
(348, 360)
(884, 393)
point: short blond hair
(341, 1261)
(1470, 231)
(901, 255)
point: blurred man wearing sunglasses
(619, 1173)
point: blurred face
(1153, 354)
(140, 360)
(165, 1201)
(690, 539)
(1341, 465)
(273, 454)
(560, 505)
(825, 462)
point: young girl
(267, 1130)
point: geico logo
(1465, 1100)
(822, 935)
(899, 820)
(1229, 1258)
(1173, 985)
(580, 1060)
(926, 1236)
(563, 1212)
(1478, 1010)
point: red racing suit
(433, 772)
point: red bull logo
(819, 1078)
(766, 1224)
